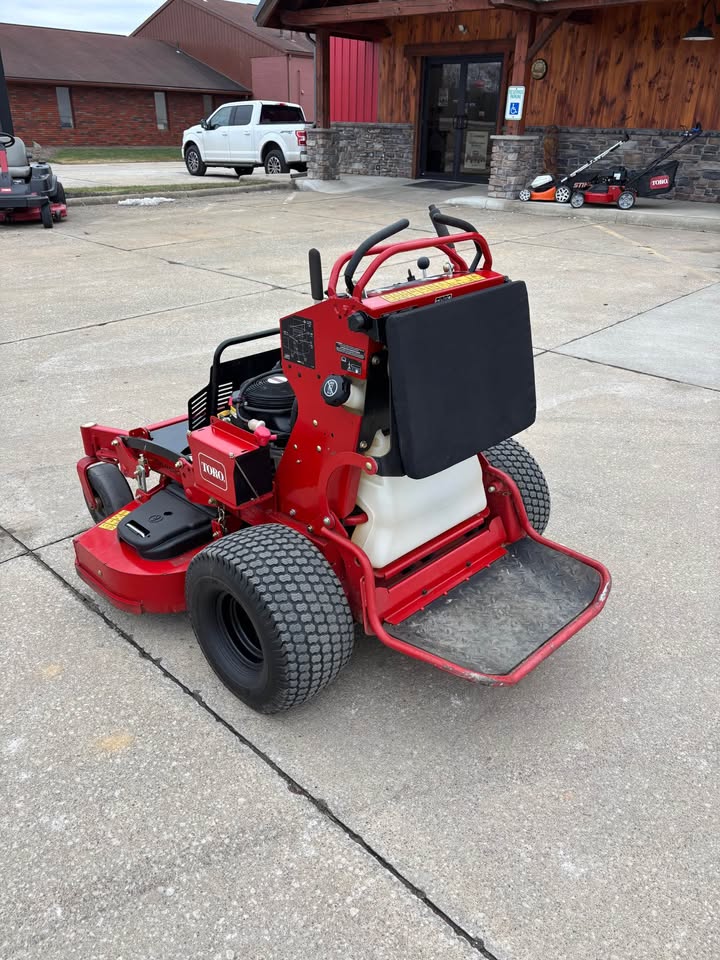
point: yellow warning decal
(112, 522)
(437, 286)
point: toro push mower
(623, 188)
(546, 187)
(28, 191)
(364, 471)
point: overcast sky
(107, 16)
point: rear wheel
(111, 489)
(59, 196)
(577, 199)
(275, 162)
(46, 216)
(512, 458)
(524, 194)
(270, 616)
(194, 162)
(243, 171)
(626, 200)
(562, 194)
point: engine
(267, 397)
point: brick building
(69, 87)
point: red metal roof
(105, 59)
(241, 15)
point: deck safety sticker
(112, 522)
(428, 288)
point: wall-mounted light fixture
(702, 31)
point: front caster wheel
(111, 489)
(46, 216)
(270, 616)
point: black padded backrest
(461, 376)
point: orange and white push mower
(547, 187)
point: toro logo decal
(212, 471)
(660, 181)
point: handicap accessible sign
(514, 105)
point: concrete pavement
(575, 816)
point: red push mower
(363, 472)
(623, 188)
(546, 187)
(28, 191)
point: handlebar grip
(368, 245)
(447, 221)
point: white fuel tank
(404, 513)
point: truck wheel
(243, 171)
(270, 616)
(111, 489)
(194, 162)
(275, 162)
(46, 216)
(512, 458)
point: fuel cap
(336, 390)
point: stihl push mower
(546, 187)
(28, 191)
(363, 472)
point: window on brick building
(207, 105)
(64, 106)
(161, 111)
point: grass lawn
(116, 154)
(146, 189)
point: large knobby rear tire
(111, 489)
(270, 616)
(512, 458)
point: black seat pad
(461, 376)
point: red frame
(316, 482)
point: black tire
(275, 162)
(270, 616)
(243, 171)
(196, 167)
(512, 458)
(46, 216)
(111, 489)
(59, 195)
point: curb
(642, 217)
(95, 199)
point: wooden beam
(552, 6)
(468, 47)
(378, 10)
(557, 21)
(525, 32)
(362, 31)
(322, 79)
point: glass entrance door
(460, 112)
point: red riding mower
(340, 478)
(28, 191)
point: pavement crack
(618, 366)
(291, 783)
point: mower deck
(492, 623)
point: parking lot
(146, 813)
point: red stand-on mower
(28, 191)
(623, 188)
(363, 472)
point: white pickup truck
(248, 134)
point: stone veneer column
(322, 154)
(513, 163)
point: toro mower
(28, 191)
(623, 188)
(364, 471)
(547, 187)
